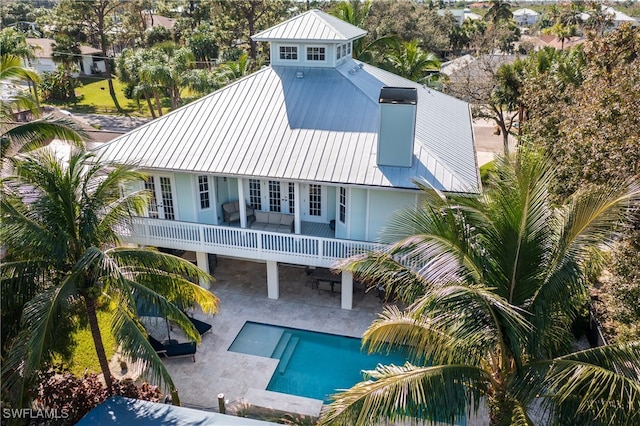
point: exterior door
(281, 196)
(162, 200)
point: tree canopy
(492, 285)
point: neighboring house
(317, 146)
(450, 67)
(460, 15)
(619, 18)
(90, 61)
(548, 40)
(153, 20)
(525, 17)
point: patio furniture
(231, 211)
(173, 350)
(273, 222)
(202, 327)
(325, 275)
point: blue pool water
(313, 365)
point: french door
(161, 203)
(271, 195)
(281, 196)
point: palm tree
(60, 224)
(66, 52)
(408, 60)
(562, 32)
(499, 11)
(230, 71)
(17, 137)
(493, 284)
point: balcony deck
(315, 247)
(312, 229)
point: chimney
(397, 126)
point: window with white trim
(152, 206)
(203, 191)
(344, 50)
(254, 194)
(274, 196)
(348, 48)
(167, 198)
(342, 202)
(315, 200)
(292, 198)
(338, 52)
(315, 53)
(289, 53)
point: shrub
(62, 391)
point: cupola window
(315, 53)
(289, 53)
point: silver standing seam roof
(313, 25)
(322, 127)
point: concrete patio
(243, 379)
(242, 289)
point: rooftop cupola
(397, 131)
(311, 39)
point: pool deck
(241, 287)
(243, 379)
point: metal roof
(313, 25)
(119, 410)
(319, 128)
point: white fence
(244, 243)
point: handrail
(243, 242)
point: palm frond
(134, 343)
(601, 384)
(150, 301)
(396, 393)
(37, 133)
(40, 317)
(424, 339)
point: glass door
(161, 203)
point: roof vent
(300, 74)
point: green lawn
(93, 97)
(84, 355)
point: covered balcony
(310, 249)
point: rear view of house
(302, 162)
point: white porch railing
(244, 243)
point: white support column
(242, 203)
(366, 219)
(202, 260)
(347, 290)
(296, 206)
(273, 286)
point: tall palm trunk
(90, 305)
(158, 104)
(150, 105)
(107, 63)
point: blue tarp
(118, 410)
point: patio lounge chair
(174, 350)
(202, 327)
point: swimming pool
(313, 365)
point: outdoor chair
(202, 327)
(173, 350)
